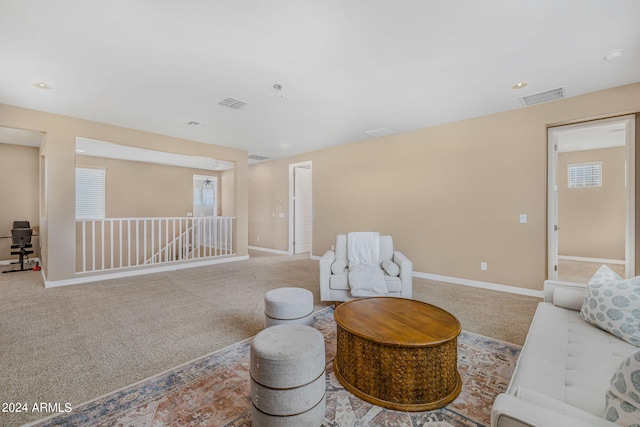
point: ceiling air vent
(539, 98)
(377, 133)
(232, 103)
(256, 157)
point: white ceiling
(346, 67)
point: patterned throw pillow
(613, 304)
(623, 397)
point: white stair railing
(116, 243)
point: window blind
(585, 175)
(90, 193)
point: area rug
(214, 391)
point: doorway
(591, 198)
(301, 207)
(205, 195)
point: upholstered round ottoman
(287, 367)
(288, 305)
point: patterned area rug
(214, 391)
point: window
(583, 175)
(204, 195)
(90, 193)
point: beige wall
(227, 199)
(450, 195)
(135, 189)
(18, 193)
(58, 220)
(592, 220)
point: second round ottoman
(288, 305)
(287, 367)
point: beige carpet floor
(75, 343)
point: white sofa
(335, 287)
(565, 367)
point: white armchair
(334, 271)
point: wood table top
(397, 321)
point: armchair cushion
(391, 268)
(341, 248)
(338, 266)
(386, 249)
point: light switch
(523, 218)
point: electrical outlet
(483, 266)
(523, 218)
(258, 238)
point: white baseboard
(585, 259)
(131, 273)
(273, 251)
(478, 284)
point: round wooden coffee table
(398, 353)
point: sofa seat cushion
(568, 359)
(341, 282)
(394, 284)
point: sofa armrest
(551, 285)
(406, 273)
(325, 273)
(510, 411)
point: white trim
(100, 277)
(316, 257)
(478, 284)
(552, 203)
(273, 251)
(585, 259)
(630, 220)
(292, 167)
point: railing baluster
(144, 253)
(172, 239)
(84, 247)
(137, 242)
(111, 243)
(230, 237)
(167, 250)
(128, 243)
(93, 244)
(120, 247)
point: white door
(302, 211)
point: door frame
(552, 195)
(292, 167)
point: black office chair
(21, 240)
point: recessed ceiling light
(614, 54)
(42, 85)
(284, 145)
(519, 85)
